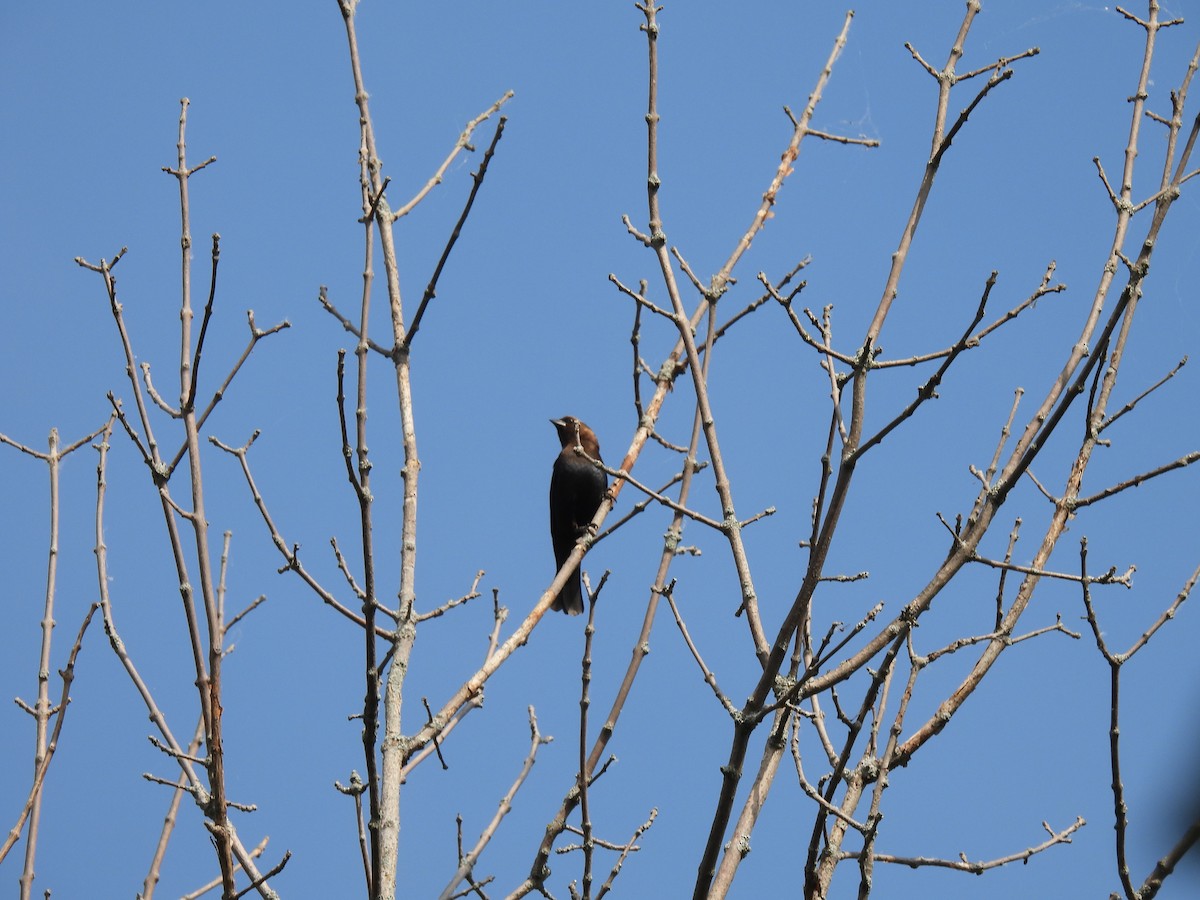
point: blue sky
(525, 327)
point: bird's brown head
(568, 427)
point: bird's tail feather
(570, 598)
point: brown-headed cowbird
(576, 489)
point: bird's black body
(576, 489)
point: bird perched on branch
(576, 489)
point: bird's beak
(557, 423)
